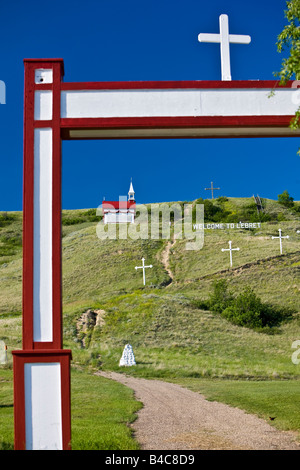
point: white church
(122, 211)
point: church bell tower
(131, 197)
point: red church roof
(118, 205)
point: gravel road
(174, 418)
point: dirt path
(174, 418)
(165, 258)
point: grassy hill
(172, 336)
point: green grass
(6, 409)
(101, 411)
(279, 399)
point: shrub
(296, 208)
(250, 213)
(212, 212)
(246, 309)
(7, 219)
(220, 298)
(285, 199)
(81, 217)
(222, 199)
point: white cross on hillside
(224, 38)
(280, 239)
(230, 249)
(143, 268)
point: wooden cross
(224, 38)
(211, 189)
(280, 239)
(230, 249)
(143, 268)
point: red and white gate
(55, 110)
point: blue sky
(113, 40)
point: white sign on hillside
(223, 226)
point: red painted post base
(42, 399)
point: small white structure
(230, 249)
(127, 358)
(122, 211)
(280, 239)
(224, 38)
(3, 352)
(143, 268)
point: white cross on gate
(224, 38)
(280, 239)
(230, 249)
(211, 189)
(143, 268)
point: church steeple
(131, 193)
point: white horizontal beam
(178, 102)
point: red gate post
(42, 368)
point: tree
(290, 38)
(285, 199)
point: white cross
(280, 239)
(224, 38)
(230, 249)
(143, 268)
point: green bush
(212, 212)
(246, 309)
(215, 211)
(296, 208)
(251, 214)
(285, 199)
(220, 298)
(6, 219)
(80, 217)
(222, 199)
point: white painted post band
(43, 416)
(42, 255)
(43, 105)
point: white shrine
(3, 353)
(127, 358)
(121, 211)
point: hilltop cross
(224, 38)
(211, 189)
(143, 268)
(280, 239)
(230, 249)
